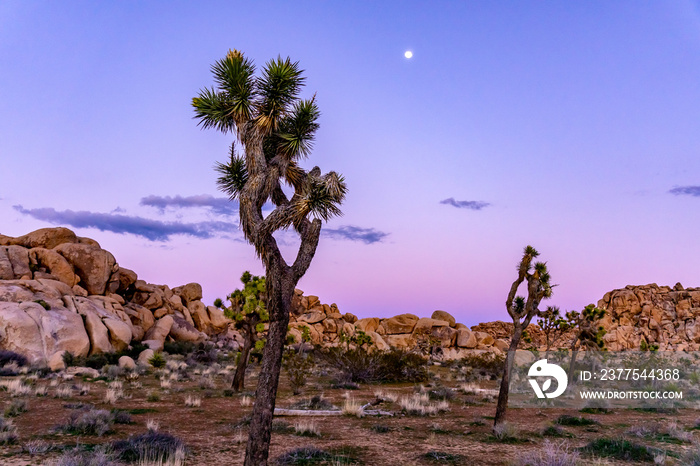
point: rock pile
(60, 292)
(660, 315)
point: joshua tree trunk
(572, 364)
(281, 281)
(505, 381)
(239, 377)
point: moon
(408, 54)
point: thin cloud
(473, 205)
(152, 230)
(218, 205)
(686, 191)
(353, 233)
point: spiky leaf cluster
(589, 334)
(268, 116)
(247, 304)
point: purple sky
(571, 127)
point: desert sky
(570, 126)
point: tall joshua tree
(275, 128)
(249, 315)
(522, 311)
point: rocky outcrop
(638, 316)
(60, 292)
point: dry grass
(246, 401)
(16, 387)
(193, 401)
(306, 428)
(352, 408)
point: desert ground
(446, 419)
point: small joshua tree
(276, 129)
(522, 311)
(589, 335)
(249, 314)
(553, 325)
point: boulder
(19, 259)
(217, 318)
(126, 278)
(403, 323)
(446, 316)
(56, 265)
(97, 332)
(188, 293)
(181, 330)
(378, 341)
(502, 345)
(47, 238)
(6, 272)
(119, 333)
(125, 362)
(484, 339)
(350, 318)
(20, 333)
(466, 338)
(312, 317)
(368, 324)
(159, 332)
(83, 372)
(140, 316)
(426, 324)
(145, 356)
(200, 316)
(445, 335)
(402, 341)
(56, 361)
(91, 264)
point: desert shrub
(43, 304)
(298, 366)
(399, 365)
(121, 417)
(100, 456)
(305, 428)
(353, 408)
(316, 403)
(157, 360)
(483, 366)
(554, 431)
(441, 457)
(205, 353)
(183, 348)
(692, 456)
(505, 432)
(7, 357)
(550, 455)
(91, 422)
(16, 407)
(621, 449)
(381, 428)
(153, 397)
(312, 455)
(441, 393)
(8, 432)
(566, 420)
(363, 365)
(153, 445)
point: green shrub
(566, 420)
(157, 360)
(483, 366)
(16, 408)
(153, 445)
(183, 348)
(621, 449)
(298, 366)
(91, 422)
(363, 365)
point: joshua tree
(249, 314)
(553, 325)
(522, 311)
(276, 130)
(588, 334)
